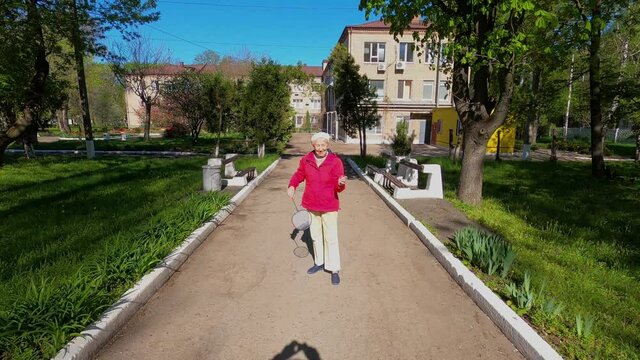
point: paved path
(244, 295)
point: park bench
(409, 172)
(214, 178)
(384, 178)
(233, 177)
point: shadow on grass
(64, 218)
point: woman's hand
(290, 191)
(342, 180)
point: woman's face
(320, 147)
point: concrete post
(229, 168)
(211, 179)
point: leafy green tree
(355, 99)
(593, 17)
(220, 94)
(265, 111)
(306, 124)
(486, 41)
(31, 31)
(401, 141)
(24, 69)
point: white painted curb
(96, 335)
(523, 337)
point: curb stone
(523, 337)
(96, 335)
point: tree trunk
(363, 144)
(566, 114)
(78, 50)
(147, 121)
(63, 122)
(37, 84)
(474, 147)
(637, 158)
(597, 128)
(533, 116)
(219, 131)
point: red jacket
(321, 188)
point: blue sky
(288, 31)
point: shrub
(487, 251)
(175, 130)
(401, 141)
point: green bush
(401, 141)
(487, 251)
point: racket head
(301, 251)
(301, 220)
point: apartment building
(304, 99)
(409, 83)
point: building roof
(312, 70)
(380, 25)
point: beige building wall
(418, 77)
(303, 99)
(135, 108)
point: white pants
(324, 233)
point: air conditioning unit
(381, 67)
(400, 65)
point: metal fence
(618, 135)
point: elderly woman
(324, 175)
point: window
(373, 52)
(299, 120)
(427, 90)
(430, 53)
(376, 129)
(443, 59)
(406, 52)
(314, 119)
(404, 89)
(378, 87)
(443, 93)
(297, 103)
(315, 103)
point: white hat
(320, 135)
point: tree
(595, 16)
(137, 67)
(485, 40)
(306, 124)
(265, 110)
(25, 70)
(207, 57)
(32, 30)
(220, 96)
(184, 96)
(355, 99)
(85, 24)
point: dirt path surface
(244, 295)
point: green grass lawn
(229, 143)
(576, 235)
(76, 233)
(204, 145)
